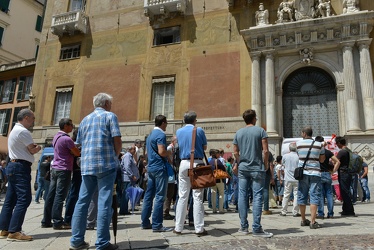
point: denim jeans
(326, 192)
(124, 202)
(309, 187)
(58, 190)
(18, 196)
(228, 192)
(235, 186)
(365, 189)
(73, 195)
(256, 179)
(92, 210)
(104, 182)
(265, 193)
(156, 188)
(41, 187)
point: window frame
(12, 89)
(159, 35)
(57, 108)
(82, 5)
(4, 124)
(39, 23)
(2, 29)
(4, 6)
(167, 102)
(65, 50)
(24, 88)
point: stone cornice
(319, 31)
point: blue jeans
(235, 185)
(156, 188)
(265, 193)
(365, 189)
(73, 195)
(18, 196)
(104, 182)
(41, 187)
(256, 179)
(58, 190)
(326, 191)
(124, 202)
(227, 195)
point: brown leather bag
(219, 173)
(200, 176)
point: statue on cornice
(262, 16)
(324, 8)
(304, 9)
(285, 11)
(350, 6)
(32, 102)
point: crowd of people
(89, 167)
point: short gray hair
(292, 146)
(100, 99)
(190, 117)
(23, 113)
(128, 148)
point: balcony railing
(69, 22)
(163, 7)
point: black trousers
(345, 180)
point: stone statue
(32, 102)
(324, 8)
(305, 9)
(262, 16)
(350, 6)
(306, 55)
(285, 11)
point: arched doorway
(309, 99)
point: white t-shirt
(18, 140)
(280, 168)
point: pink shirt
(63, 158)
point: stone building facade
(218, 58)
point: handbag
(299, 171)
(219, 173)
(200, 176)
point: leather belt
(194, 159)
(19, 160)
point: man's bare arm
(265, 151)
(117, 144)
(33, 148)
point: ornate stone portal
(338, 45)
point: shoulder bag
(200, 176)
(219, 173)
(299, 172)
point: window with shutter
(163, 97)
(16, 111)
(39, 23)
(4, 121)
(1, 35)
(8, 90)
(62, 104)
(21, 85)
(4, 5)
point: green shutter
(21, 86)
(12, 90)
(4, 5)
(39, 24)
(1, 90)
(6, 123)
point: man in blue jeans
(18, 196)
(250, 148)
(100, 138)
(157, 177)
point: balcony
(69, 23)
(163, 8)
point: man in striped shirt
(311, 182)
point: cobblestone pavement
(354, 233)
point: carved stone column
(270, 93)
(256, 85)
(352, 111)
(366, 79)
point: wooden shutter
(6, 123)
(12, 90)
(39, 23)
(21, 86)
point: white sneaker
(262, 234)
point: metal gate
(309, 99)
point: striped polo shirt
(312, 166)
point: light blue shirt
(184, 136)
(95, 134)
(129, 168)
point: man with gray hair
(290, 162)
(18, 196)
(184, 136)
(100, 138)
(130, 174)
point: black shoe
(111, 246)
(127, 213)
(344, 214)
(46, 225)
(146, 227)
(168, 217)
